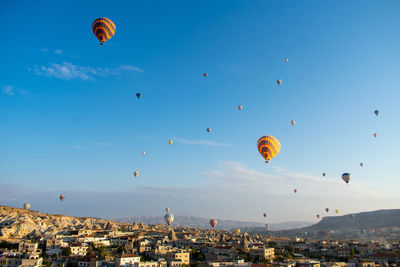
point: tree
(121, 249)
(66, 251)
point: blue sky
(70, 122)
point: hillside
(374, 224)
(199, 222)
(17, 223)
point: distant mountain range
(199, 222)
(365, 225)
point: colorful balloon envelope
(135, 173)
(205, 75)
(279, 82)
(346, 177)
(269, 147)
(103, 29)
(265, 215)
(375, 135)
(292, 122)
(237, 231)
(167, 210)
(213, 223)
(27, 206)
(376, 112)
(138, 95)
(318, 216)
(295, 191)
(169, 218)
(208, 130)
(143, 152)
(327, 209)
(287, 60)
(62, 197)
(337, 211)
(170, 142)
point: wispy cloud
(102, 144)
(12, 90)
(58, 51)
(70, 71)
(77, 147)
(201, 142)
(55, 51)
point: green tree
(121, 249)
(66, 251)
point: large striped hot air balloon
(104, 29)
(269, 147)
(62, 197)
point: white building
(126, 260)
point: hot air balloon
(279, 82)
(376, 112)
(27, 206)
(292, 122)
(318, 216)
(361, 164)
(337, 211)
(372, 230)
(208, 130)
(240, 107)
(104, 29)
(205, 75)
(138, 95)
(170, 142)
(167, 210)
(136, 173)
(295, 191)
(375, 135)
(323, 174)
(269, 147)
(346, 177)
(169, 218)
(327, 209)
(143, 152)
(237, 231)
(213, 223)
(287, 60)
(265, 215)
(62, 197)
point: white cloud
(69, 71)
(102, 144)
(201, 142)
(12, 90)
(77, 147)
(58, 51)
(8, 90)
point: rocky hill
(16, 223)
(364, 225)
(198, 222)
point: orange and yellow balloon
(269, 147)
(104, 29)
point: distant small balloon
(62, 197)
(376, 112)
(361, 164)
(265, 215)
(240, 107)
(136, 174)
(169, 218)
(375, 135)
(346, 177)
(27, 206)
(279, 82)
(295, 190)
(318, 216)
(138, 95)
(205, 75)
(213, 223)
(323, 174)
(327, 209)
(170, 142)
(208, 130)
(337, 211)
(292, 122)
(237, 231)
(287, 60)
(167, 209)
(143, 152)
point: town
(140, 245)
